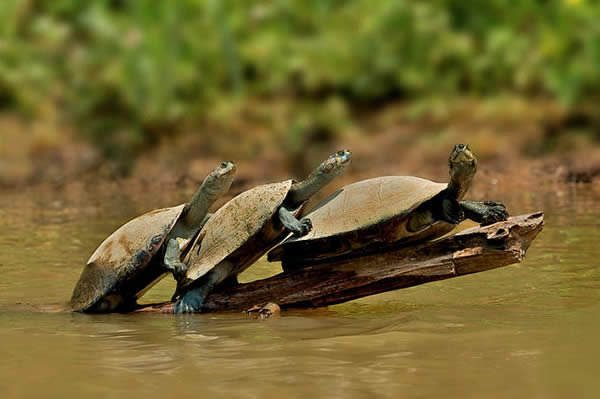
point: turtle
(142, 251)
(390, 211)
(245, 228)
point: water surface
(528, 330)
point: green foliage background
(126, 72)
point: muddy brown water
(528, 330)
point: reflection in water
(535, 324)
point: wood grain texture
(470, 251)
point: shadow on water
(533, 324)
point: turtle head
(319, 177)
(215, 184)
(219, 179)
(335, 164)
(462, 161)
(463, 166)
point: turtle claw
(485, 212)
(190, 302)
(494, 204)
(494, 212)
(172, 262)
(304, 227)
(458, 217)
(173, 250)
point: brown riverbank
(518, 143)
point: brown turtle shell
(123, 267)
(366, 214)
(241, 231)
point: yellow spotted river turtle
(373, 214)
(142, 251)
(246, 227)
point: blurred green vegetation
(126, 73)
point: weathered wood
(470, 251)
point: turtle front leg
(172, 260)
(451, 211)
(193, 300)
(289, 221)
(484, 212)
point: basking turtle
(373, 214)
(130, 261)
(246, 227)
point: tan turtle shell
(123, 267)
(241, 231)
(363, 215)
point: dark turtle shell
(123, 267)
(362, 215)
(242, 231)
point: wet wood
(470, 251)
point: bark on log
(470, 251)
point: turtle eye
(223, 165)
(340, 153)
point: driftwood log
(470, 251)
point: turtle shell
(365, 214)
(122, 267)
(242, 230)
